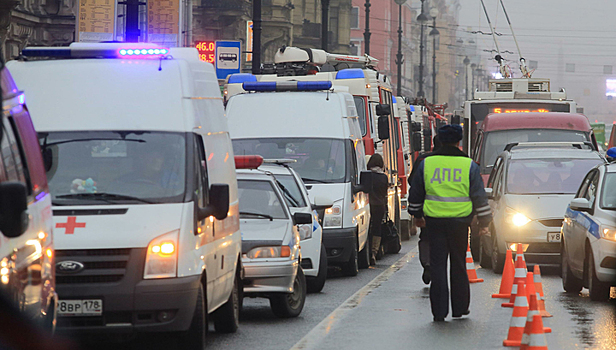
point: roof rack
(577, 145)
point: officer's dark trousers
(424, 248)
(448, 237)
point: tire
(195, 337)
(598, 290)
(485, 259)
(351, 267)
(287, 305)
(498, 259)
(315, 284)
(227, 317)
(364, 256)
(571, 284)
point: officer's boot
(376, 245)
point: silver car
(529, 189)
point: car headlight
(333, 216)
(269, 252)
(162, 256)
(515, 218)
(305, 232)
(608, 233)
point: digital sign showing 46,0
(207, 50)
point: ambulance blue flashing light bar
(393, 99)
(264, 86)
(142, 52)
(98, 50)
(350, 73)
(239, 78)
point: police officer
(444, 200)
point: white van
(144, 194)
(319, 129)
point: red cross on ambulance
(70, 225)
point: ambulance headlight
(162, 257)
(333, 216)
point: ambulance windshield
(114, 167)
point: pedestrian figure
(424, 244)
(378, 203)
(445, 199)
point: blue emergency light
(350, 73)
(412, 108)
(98, 50)
(264, 86)
(239, 78)
(393, 99)
(611, 152)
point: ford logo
(67, 267)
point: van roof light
(98, 50)
(239, 78)
(287, 86)
(248, 162)
(350, 73)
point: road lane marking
(320, 331)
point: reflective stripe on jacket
(447, 181)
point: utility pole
(399, 60)
(466, 62)
(367, 29)
(324, 24)
(434, 33)
(132, 20)
(256, 36)
(422, 19)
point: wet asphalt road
(390, 309)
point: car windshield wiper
(315, 180)
(288, 194)
(45, 144)
(265, 216)
(103, 196)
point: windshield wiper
(315, 180)
(45, 144)
(265, 216)
(104, 196)
(288, 194)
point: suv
(26, 244)
(588, 249)
(529, 187)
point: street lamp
(422, 19)
(367, 29)
(434, 33)
(466, 62)
(399, 55)
(473, 67)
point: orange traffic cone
(530, 286)
(470, 267)
(540, 296)
(518, 318)
(507, 279)
(532, 311)
(536, 339)
(519, 276)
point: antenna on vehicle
(498, 58)
(523, 68)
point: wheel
(364, 256)
(498, 259)
(571, 284)
(289, 305)
(315, 284)
(194, 338)
(227, 317)
(598, 290)
(351, 267)
(485, 259)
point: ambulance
(142, 179)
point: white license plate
(553, 236)
(89, 307)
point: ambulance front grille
(99, 265)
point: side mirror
(321, 203)
(383, 110)
(302, 218)
(489, 193)
(580, 204)
(365, 183)
(219, 203)
(14, 217)
(383, 127)
(47, 158)
(416, 142)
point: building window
(355, 47)
(355, 17)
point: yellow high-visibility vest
(447, 183)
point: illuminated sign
(96, 20)
(207, 50)
(508, 110)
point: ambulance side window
(11, 155)
(201, 181)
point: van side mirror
(47, 158)
(383, 110)
(580, 204)
(322, 203)
(416, 142)
(302, 218)
(365, 182)
(383, 127)
(218, 205)
(489, 192)
(14, 217)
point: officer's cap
(450, 133)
